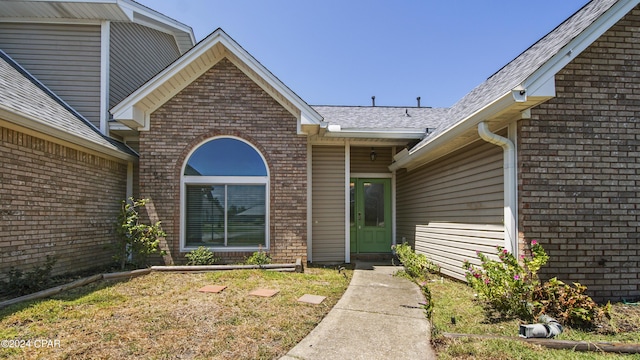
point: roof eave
(338, 132)
(31, 123)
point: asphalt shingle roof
(23, 94)
(496, 86)
(523, 66)
(382, 117)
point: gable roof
(27, 102)
(523, 83)
(135, 110)
(96, 11)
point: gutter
(336, 131)
(510, 179)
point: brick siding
(58, 201)
(224, 101)
(578, 157)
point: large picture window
(225, 197)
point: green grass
(163, 316)
(456, 300)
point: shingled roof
(522, 83)
(26, 101)
(382, 117)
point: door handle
(359, 216)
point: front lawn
(456, 311)
(163, 316)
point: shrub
(506, 284)
(37, 279)
(258, 258)
(569, 305)
(416, 265)
(136, 239)
(201, 256)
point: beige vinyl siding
(65, 58)
(137, 54)
(465, 187)
(361, 160)
(328, 203)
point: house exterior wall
(328, 203)
(465, 187)
(56, 200)
(137, 53)
(64, 57)
(224, 101)
(360, 160)
(578, 164)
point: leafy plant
(258, 258)
(37, 279)
(427, 305)
(136, 239)
(507, 284)
(569, 305)
(416, 265)
(201, 256)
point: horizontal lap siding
(137, 54)
(452, 244)
(65, 58)
(466, 187)
(328, 199)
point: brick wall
(579, 160)
(224, 101)
(56, 200)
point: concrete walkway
(378, 317)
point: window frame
(226, 181)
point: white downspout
(510, 179)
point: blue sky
(342, 52)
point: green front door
(370, 215)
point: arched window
(224, 197)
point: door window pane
(373, 204)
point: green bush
(507, 284)
(569, 305)
(416, 265)
(258, 258)
(21, 283)
(136, 239)
(201, 256)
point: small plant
(37, 279)
(427, 305)
(416, 265)
(136, 239)
(569, 305)
(258, 258)
(507, 284)
(201, 256)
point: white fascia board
(337, 132)
(538, 83)
(414, 156)
(156, 20)
(40, 127)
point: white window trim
(224, 180)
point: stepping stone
(312, 299)
(264, 292)
(212, 288)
